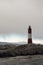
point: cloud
(15, 38)
(16, 15)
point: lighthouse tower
(29, 35)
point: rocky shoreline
(22, 50)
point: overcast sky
(17, 15)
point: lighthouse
(29, 35)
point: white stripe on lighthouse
(29, 36)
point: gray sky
(17, 15)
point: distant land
(17, 44)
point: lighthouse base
(29, 41)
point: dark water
(23, 62)
(36, 60)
